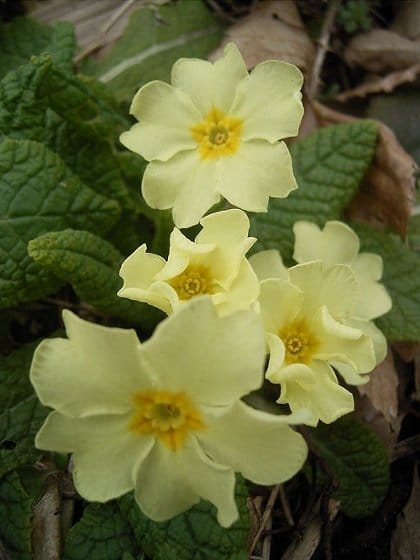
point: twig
(98, 43)
(286, 507)
(314, 80)
(404, 448)
(266, 516)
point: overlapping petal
(264, 438)
(268, 264)
(168, 483)
(257, 171)
(229, 372)
(184, 183)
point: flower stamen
(194, 281)
(166, 415)
(300, 343)
(217, 135)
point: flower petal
(280, 302)
(168, 483)
(228, 231)
(243, 291)
(255, 172)
(259, 445)
(185, 183)
(374, 299)
(342, 343)
(166, 116)
(269, 101)
(216, 359)
(210, 84)
(268, 264)
(138, 272)
(94, 371)
(104, 452)
(337, 243)
(326, 399)
(332, 286)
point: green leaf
(25, 114)
(193, 535)
(18, 427)
(15, 515)
(24, 37)
(182, 28)
(359, 462)
(329, 166)
(91, 265)
(14, 376)
(401, 277)
(102, 534)
(38, 193)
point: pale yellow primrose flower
(213, 264)
(164, 417)
(306, 332)
(214, 132)
(337, 243)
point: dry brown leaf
(381, 389)
(273, 30)
(46, 523)
(387, 193)
(378, 85)
(381, 50)
(407, 351)
(386, 431)
(407, 19)
(405, 541)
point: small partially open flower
(213, 264)
(164, 418)
(307, 333)
(214, 132)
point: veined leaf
(14, 376)
(329, 166)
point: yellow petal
(335, 244)
(166, 116)
(269, 101)
(210, 85)
(255, 172)
(259, 445)
(185, 183)
(280, 302)
(94, 371)
(243, 291)
(169, 483)
(268, 264)
(374, 299)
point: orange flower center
(217, 135)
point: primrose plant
(165, 417)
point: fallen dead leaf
(407, 19)
(272, 30)
(46, 524)
(381, 51)
(405, 541)
(378, 85)
(381, 389)
(387, 193)
(386, 431)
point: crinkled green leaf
(38, 193)
(193, 535)
(358, 461)
(14, 376)
(15, 515)
(24, 37)
(329, 166)
(182, 28)
(25, 114)
(18, 427)
(91, 265)
(401, 277)
(102, 534)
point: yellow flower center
(194, 281)
(300, 343)
(166, 415)
(218, 135)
